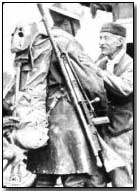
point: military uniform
(29, 126)
(67, 152)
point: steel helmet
(72, 10)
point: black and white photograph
(67, 95)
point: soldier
(67, 153)
(24, 99)
(116, 69)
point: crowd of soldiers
(43, 137)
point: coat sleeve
(120, 85)
(41, 52)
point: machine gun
(82, 104)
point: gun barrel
(40, 7)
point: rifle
(82, 104)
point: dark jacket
(67, 151)
(119, 86)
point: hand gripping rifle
(82, 104)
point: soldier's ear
(120, 41)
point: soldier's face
(109, 43)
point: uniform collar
(118, 57)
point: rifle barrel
(73, 89)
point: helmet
(72, 10)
